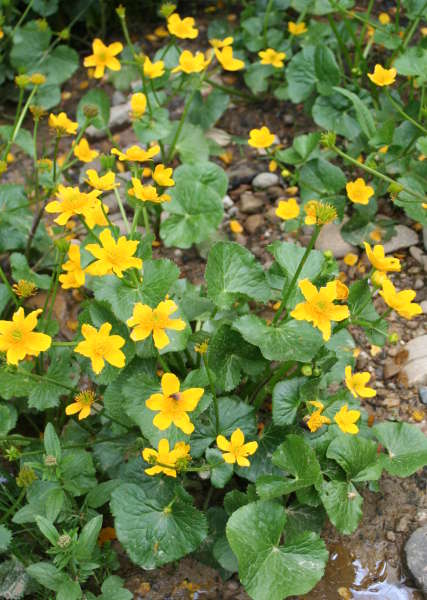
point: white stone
(403, 238)
(227, 202)
(415, 368)
(220, 136)
(265, 180)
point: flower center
(16, 335)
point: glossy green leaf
(343, 503)
(406, 446)
(357, 456)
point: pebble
(423, 394)
(423, 305)
(415, 369)
(391, 536)
(240, 174)
(403, 238)
(390, 368)
(221, 137)
(253, 223)
(118, 98)
(418, 283)
(419, 256)
(227, 202)
(275, 191)
(265, 180)
(330, 238)
(403, 524)
(416, 557)
(249, 203)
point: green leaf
(320, 178)
(21, 270)
(413, 63)
(363, 114)
(101, 494)
(406, 446)
(326, 69)
(286, 400)
(47, 575)
(23, 140)
(112, 589)
(293, 340)
(343, 503)
(48, 529)
(357, 456)
(256, 77)
(29, 45)
(62, 371)
(334, 113)
(5, 538)
(156, 524)
(301, 75)
(192, 145)
(232, 273)
(58, 66)
(8, 417)
(222, 472)
(303, 518)
(78, 471)
(229, 355)
(100, 99)
(156, 126)
(45, 8)
(261, 461)
(51, 442)
(196, 208)
(206, 111)
(88, 538)
(293, 456)
(268, 570)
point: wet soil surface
(367, 565)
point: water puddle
(350, 578)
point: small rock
(416, 557)
(391, 402)
(221, 137)
(418, 283)
(275, 191)
(119, 118)
(403, 524)
(421, 517)
(253, 223)
(391, 536)
(240, 174)
(118, 98)
(227, 202)
(249, 203)
(416, 372)
(423, 394)
(265, 180)
(330, 238)
(417, 348)
(423, 305)
(419, 256)
(403, 238)
(390, 368)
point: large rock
(265, 180)
(403, 238)
(416, 557)
(330, 238)
(415, 368)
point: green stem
(9, 287)
(231, 91)
(135, 221)
(212, 386)
(14, 506)
(171, 150)
(163, 363)
(377, 173)
(18, 124)
(363, 33)
(22, 19)
(265, 24)
(297, 273)
(122, 210)
(341, 44)
(404, 114)
(146, 220)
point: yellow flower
(161, 32)
(272, 57)
(182, 28)
(113, 257)
(384, 18)
(191, 63)
(24, 288)
(201, 348)
(383, 149)
(378, 278)
(75, 275)
(272, 166)
(163, 176)
(136, 154)
(319, 307)
(297, 28)
(103, 57)
(71, 201)
(82, 404)
(235, 226)
(351, 259)
(342, 290)
(100, 346)
(18, 339)
(95, 214)
(1, 33)
(83, 151)
(357, 383)
(62, 124)
(376, 235)
(105, 183)
(166, 459)
(401, 302)
(358, 191)
(260, 138)
(152, 70)
(138, 104)
(236, 450)
(146, 321)
(319, 213)
(288, 209)
(10, 158)
(226, 59)
(146, 193)
(316, 420)
(379, 261)
(383, 77)
(38, 79)
(346, 419)
(173, 404)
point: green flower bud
(317, 372)
(328, 139)
(394, 188)
(167, 9)
(393, 338)
(306, 370)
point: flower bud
(38, 79)
(394, 188)
(50, 461)
(307, 370)
(64, 34)
(90, 111)
(26, 477)
(121, 11)
(166, 9)
(22, 81)
(328, 139)
(64, 540)
(317, 372)
(393, 338)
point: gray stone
(253, 223)
(330, 238)
(265, 180)
(403, 238)
(240, 174)
(417, 348)
(221, 137)
(423, 394)
(249, 203)
(416, 371)
(416, 557)
(420, 257)
(423, 305)
(119, 118)
(419, 283)
(227, 202)
(118, 98)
